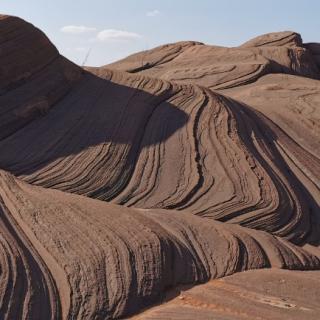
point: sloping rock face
(275, 39)
(220, 67)
(25, 50)
(109, 261)
(33, 76)
(117, 186)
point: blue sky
(113, 29)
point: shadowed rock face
(33, 76)
(118, 186)
(25, 50)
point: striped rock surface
(120, 183)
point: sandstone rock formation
(120, 183)
(219, 67)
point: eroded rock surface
(120, 183)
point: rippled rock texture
(121, 183)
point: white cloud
(115, 35)
(81, 49)
(77, 29)
(153, 13)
